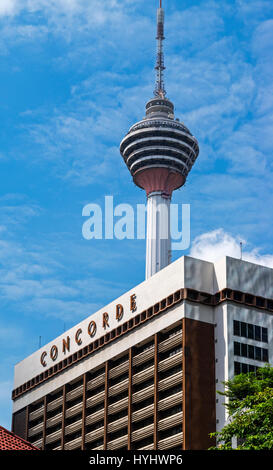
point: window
(257, 333)
(250, 351)
(240, 368)
(237, 349)
(264, 335)
(248, 330)
(243, 330)
(237, 368)
(265, 355)
(244, 351)
(236, 328)
(258, 354)
(244, 368)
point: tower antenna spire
(160, 87)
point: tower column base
(158, 239)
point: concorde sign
(91, 327)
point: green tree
(250, 407)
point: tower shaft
(158, 239)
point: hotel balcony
(94, 417)
(118, 406)
(36, 413)
(171, 441)
(74, 393)
(119, 387)
(73, 427)
(143, 356)
(38, 443)
(94, 435)
(142, 432)
(96, 382)
(118, 370)
(95, 399)
(143, 375)
(143, 413)
(54, 436)
(172, 400)
(118, 424)
(170, 421)
(170, 362)
(118, 443)
(55, 404)
(173, 340)
(164, 384)
(54, 420)
(75, 444)
(36, 429)
(74, 410)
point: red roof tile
(9, 441)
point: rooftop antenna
(159, 86)
(241, 250)
(40, 342)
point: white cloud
(8, 7)
(216, 244)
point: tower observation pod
(159, 152)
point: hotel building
(142, 373)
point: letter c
(77, 336)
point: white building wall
(185, 272)
(221, 360)
(225, 314)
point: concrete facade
(210, 297)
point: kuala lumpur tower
(159, 152)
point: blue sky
(74, 76)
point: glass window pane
(265, 355)
(244, 329)
(258, 355)
(244, 368)
(264, 335)
(250, 331)
(251, 352)
(236, 349)
(237, 368)
(244, 350)
(257, 333)
(236, 328)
